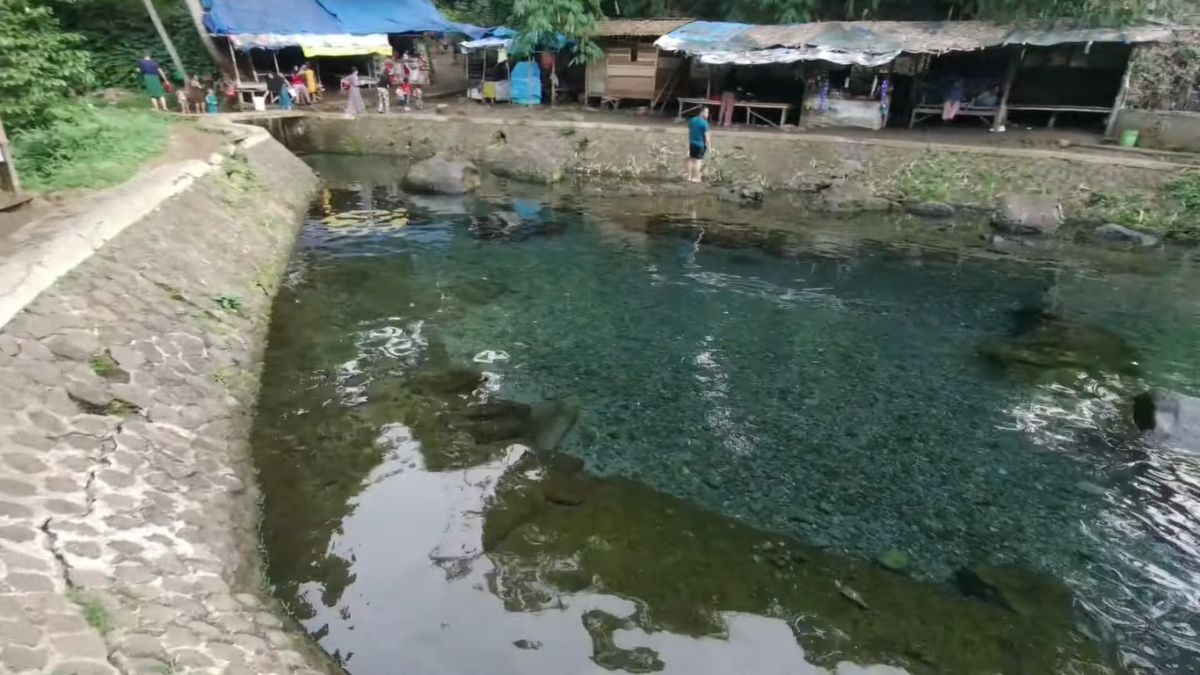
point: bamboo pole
(1014, 64)
(237, 76)
(1122, 95)
(166, 39)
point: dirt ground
(188, 141)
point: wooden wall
(629, 70)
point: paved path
(126, 501)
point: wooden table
(687, 105)
(926, 110)
(753, 108)
(693, 104)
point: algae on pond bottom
(687, 567)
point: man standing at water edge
(699, 141)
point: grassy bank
(87, 146)
(1171, 209)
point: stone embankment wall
(541, 148)
(127, 502)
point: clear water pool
(834, 400)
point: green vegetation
(119, 407)
(83, 146)
(510, 12)
(40, 65)
(118, 32)
(103, 364)
(1173, 212)
(94, 612)
(538, 22)
(957, 178)
(228, 303)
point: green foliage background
(40, 64)
(83, 146)
(118, 32)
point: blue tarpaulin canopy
(328, 17)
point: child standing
(211, 105)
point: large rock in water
(1027, 214)
(442, 175)
(1018, 590)
(846, 198)
(1118, 234)
(1045, 342)
(1169, 418)
(529, 165)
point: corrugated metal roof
(638, 27)
(881, 37)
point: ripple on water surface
(778, 412)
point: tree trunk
(162, 33)
(220, 58)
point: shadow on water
(632, 440)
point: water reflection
(840, 400)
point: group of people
(397, 80)
(192, 95)
(298, 88)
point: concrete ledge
(43, 250)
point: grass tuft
(89, 147)
(94, 612)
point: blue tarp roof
(328, 17)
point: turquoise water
(838, 398)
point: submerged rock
(1117, 234)
(529, 165)
(1019, 590)
(687, 569)
(1045, 341)
(895, 560)
(745, 194)
(930, 209)
(1169, 418)
(1027, 214)
(442, 175)
(510, 226)
(846, 198)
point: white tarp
(360, 44)
(486, 43)
(759, 57)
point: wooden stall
(633, 68)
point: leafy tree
(118, 32)
(40, 64)
(538, 22)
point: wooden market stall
(633, 68)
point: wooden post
(237, 76)
(8, 170)
(1014, 64)
(275, 57)
(1122, 94)
(166, 39)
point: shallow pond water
(602, 442)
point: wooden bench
(687, 105)
(924, 111)
(753, 108)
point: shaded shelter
(633, 67)
(854, 70)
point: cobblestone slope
(127, 504)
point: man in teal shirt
(699, 141)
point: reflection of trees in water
(563, 532)
(327, 393)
